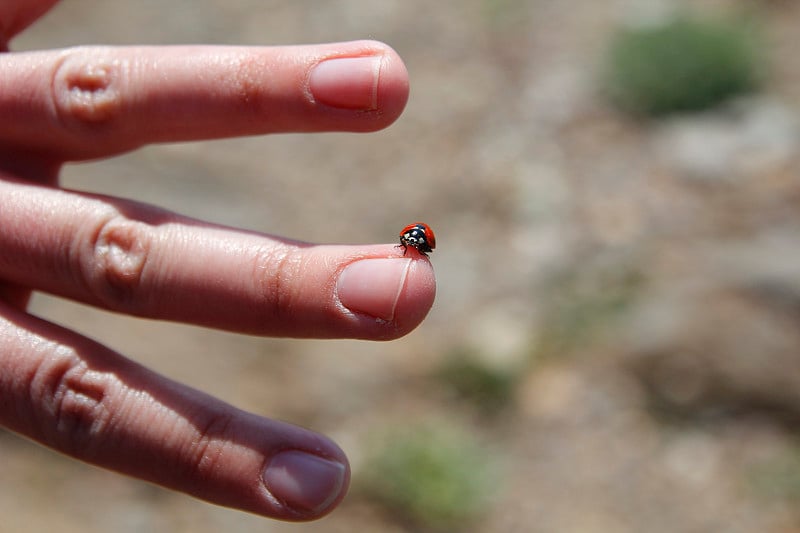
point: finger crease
(274, 268)
(119, 254)
(85, 89)
(210, 445)
(74, 397)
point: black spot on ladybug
(418, 235)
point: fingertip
(368, 77)
(393, 86)
(306, 483)
(417, 296)
(396, 292)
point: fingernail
(348, 82)
(307, 483)
(372, 286)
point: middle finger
(137, 259)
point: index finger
(90, 102)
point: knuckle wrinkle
(86, 88)
(120, 255)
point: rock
(745, 138)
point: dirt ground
(640, 278)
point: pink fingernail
(347, 82)
(373, 286)
(306, 483)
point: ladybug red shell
(418, 235)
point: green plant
(434, 478)
(778, 477)
(488, 389)
(682, 65)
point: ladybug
(418, 235)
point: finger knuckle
(86, 91)
(207, 449)
(115, 260)
(245, 82)
(73, 401)
(276, 272)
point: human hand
(72, 394)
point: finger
(15, 296)
(97, 101)
(134, 259)
(82, 399)
(16, 15)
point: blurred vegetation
(486, 388)
(779, 477)
(432, 478)
(581, 304)
(685, 64)
(503, 12)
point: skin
(86, 400)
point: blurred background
(615, 344)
